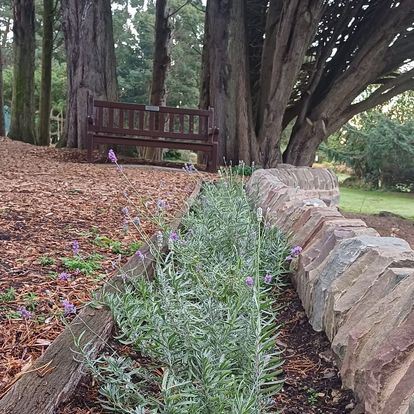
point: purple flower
(64, 276)
(268, 278)
(75, 247)
(68, 308)
(112, 156)
(140, 255)
(136, 221)
(161, 204)
(249, 281)
(24, 313)
(174, 236)
(295, 252)
(125, 211)
(188, 167)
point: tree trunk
(161, 63)
(292, 28)
(46, 81)
(2, 125)
(87, 27)
(22, 126)
(226, 79)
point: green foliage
(208, 338)
(380, 150)
(86, 265)
(46, 261)
(243, 169)
(9, 295)
(134, 48)
(116, 246)
(30, 300)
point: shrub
(380, 151)
(205, 325)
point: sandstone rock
(344, 254)
(386, 381)
(349, 289)
(384, 284)
(386, 328)
(310, 223)
(330, 234)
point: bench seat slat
(160, 143)
(148, 133)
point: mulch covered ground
(48, 199)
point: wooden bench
(152, 126)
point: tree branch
(178, 9)
(384, 93)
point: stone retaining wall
(356, 286)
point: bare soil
(388, 225)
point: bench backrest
(119, 118)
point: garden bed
(311, 383)
(49, 199)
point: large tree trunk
(226, 79)
(2, 125)
(161, 63)
(87, 26)
(22, 125)
(318, 57)
(290, 30)
(46, 81)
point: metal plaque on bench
(152, 108)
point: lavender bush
(206, 323)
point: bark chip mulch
(48, 199)
(312, 383)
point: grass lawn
(372, 202)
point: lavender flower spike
(268, 278)
(64, 276)
(112, 156)
(295, 252)
(174, 236)
(140, 255)
(75, 247)
(249, 281)
(68, 308)
(161, 204)
(24, 313)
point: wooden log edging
(55, 375)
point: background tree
(378, 148)
(160, 66)
(2, 120)
(49, 8)
(22, 125)
(89, 44)
(317, 58)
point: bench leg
(90, 147)
(212, 159)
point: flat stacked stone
(356, 286)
